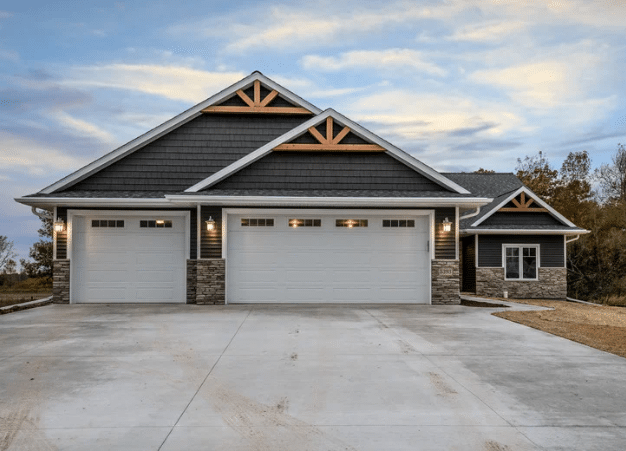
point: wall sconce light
(59, 225)
(447, 225)
(210, 224)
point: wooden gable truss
(523, 206)
(329, 143)
(256, 104)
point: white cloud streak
(172, 82)
(391, 59)
(83, 128)
(487, 32)
(26, 155)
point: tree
(6, 252)
(41, 253)
(537, 174)
(484, 171)
(612, 178)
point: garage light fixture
(59, 225)
(447, 225)
(295, 223)
(210, 224)
(160, 222)
(350, 223)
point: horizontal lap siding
(522, 220)
(445, 244)
(552, 252)
(211, 241)
(328, 171)
(62, 236)
(190, 153)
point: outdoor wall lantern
(210, 224)
(447, 225)
(59, 225)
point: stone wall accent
(192, 281)
(552, 284)
(61, 281)
(211, 281)
(445, 282)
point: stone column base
(61, 281)
(552, 284)
(192, 281)
(211, 281)
(445, 282)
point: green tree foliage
(40, 253)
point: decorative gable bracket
(523, 205)
(256, 105)
(330, 142)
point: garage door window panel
(389, 223)
(295, 223)
(257, 222)
(351, 223)
(107, 223)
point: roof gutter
(471, 215)
(521, 232)
(43, 215)
(573, 239)
(330, 201)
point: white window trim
(520, 247)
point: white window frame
(521, 256)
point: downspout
(572, 240)
(470, 215)
(43, 215)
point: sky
(458, 84)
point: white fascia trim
(522, 232)
(329, 201)
(358, 130)
(43, 202)
(536, 198)
(173, 123)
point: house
(256, 195)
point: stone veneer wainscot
(552, 284)
(445, 282)
(61, 281)
(211, 281)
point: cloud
(172, 82)
(83, 128)
(411, 115)
(9, 55)
(22, 154)
(487, 32)
(284, 27)
(5, 15)
(391, 59)
(544, 84)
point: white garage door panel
(328, 263)
(130, 263)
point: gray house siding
(468, 263)
(551, 254)
(190, 153)
(445, 246)
(211, 241)
(522, 220)
(328, 171)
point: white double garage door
(272, 256)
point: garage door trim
(325, 211)
(119, 213)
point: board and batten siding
(551, 249)
(62, 237)
(445, 244)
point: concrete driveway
(300, 378)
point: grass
(25, 291)
(598, 326)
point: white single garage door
(330, 257)
(128, 259)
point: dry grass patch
(598, 326)
(19, 298)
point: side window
(521, 262)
